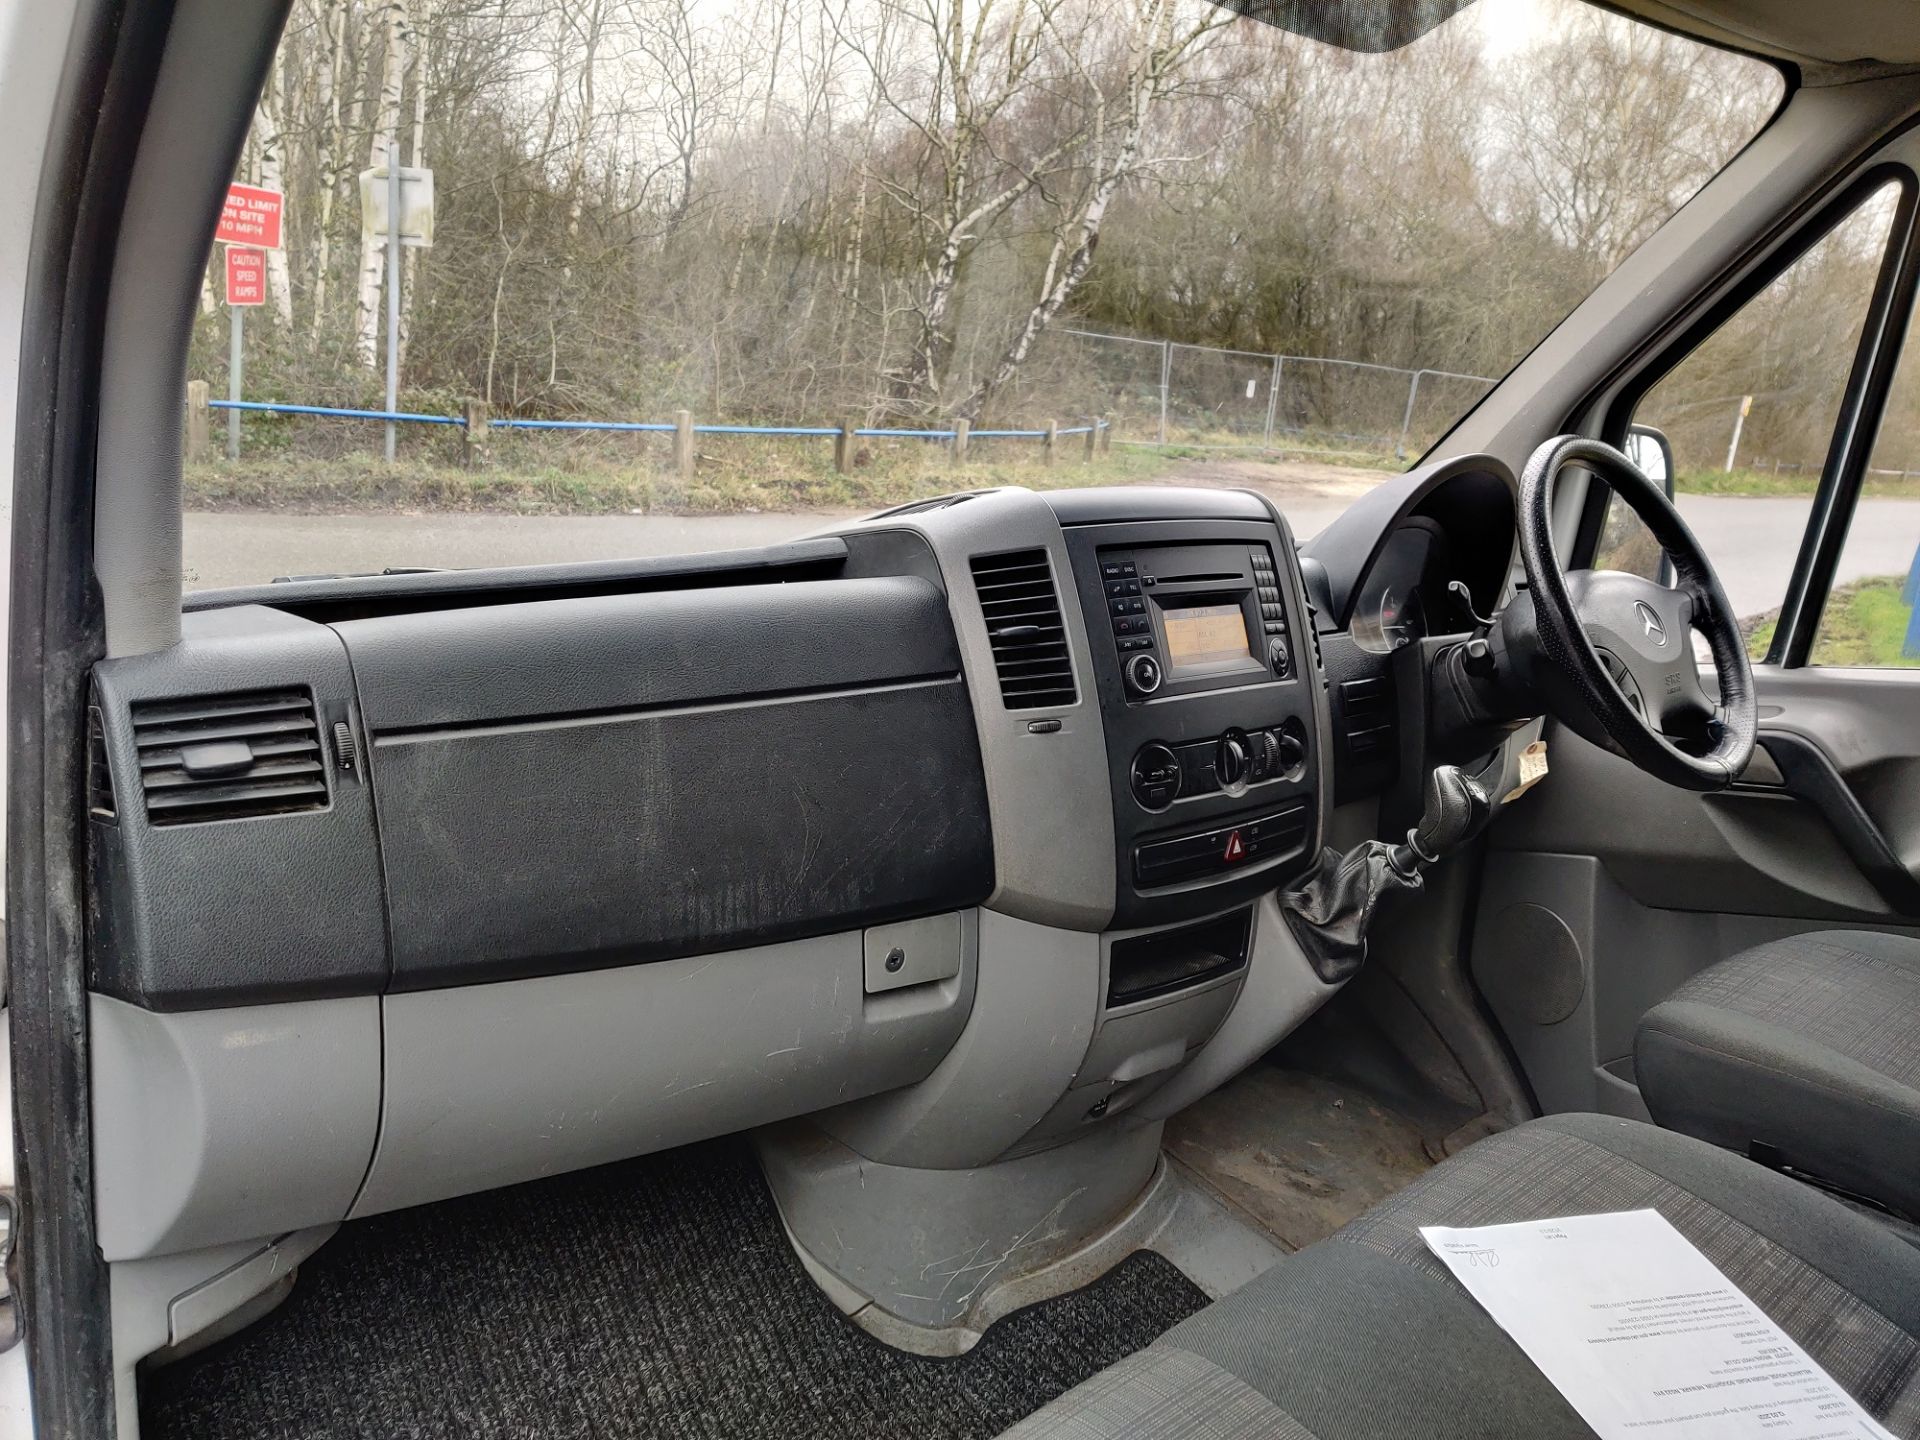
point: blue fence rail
(478, 423)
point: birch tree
(328, 142)
(419, 32)
(269, 142)
(386, 131)
(1161, 43)
(982, 59)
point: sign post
(250, 225)
(396, 204)
(1739, 420)
(246, 287)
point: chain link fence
(1168, 393)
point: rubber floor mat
(656, 1297)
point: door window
(1872, 617)
(1750, 413)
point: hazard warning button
(1236, 848)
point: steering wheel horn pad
(1612, 639)
(1646, 629)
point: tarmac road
(1753, 543)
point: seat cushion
(1810, 1045)
(1366, 1335)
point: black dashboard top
(1469, 498)
(1129, 504)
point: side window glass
(1873, 612)
(1749, 415)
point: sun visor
(1371, 26)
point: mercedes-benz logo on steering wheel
(1650, 622)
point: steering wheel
(1620, 646)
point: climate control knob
(1292, 754)
(1143, 674)
(1231, 760)
(1155, 776)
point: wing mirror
(1653, 453)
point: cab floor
(1297, 1154)
(652, 1298)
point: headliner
(1817, 33)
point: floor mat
(1296, 1154)
(652, 1298)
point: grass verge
(1865, 624)
(1762, 484)
(731, 476)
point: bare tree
(268, 143)
(386, 133)
(328, 156)
(1161, 42)
(952, 76)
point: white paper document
(1643, 1334)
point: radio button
(1143, 678)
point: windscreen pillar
(216, 56)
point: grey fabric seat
(1809, 1046)
(1366, 1336)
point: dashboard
(957, 828)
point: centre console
(1202, 652)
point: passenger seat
(1366, 1335)
(1803, 1053)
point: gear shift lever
(1329, 913)
(1455, 809)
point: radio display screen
(1201, 636)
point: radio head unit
(1195, 617)
(1210, 698)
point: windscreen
(555, 280)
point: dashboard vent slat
(99, 772)
(1021, 606)
(265, 745)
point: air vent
(1022, 611)
(229, 757)
(99, 773)
(1364, 717)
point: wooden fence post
(1052, 443)
(843, 447)
(478, 433)
(683, 443)
(1093, 439)
(960, 430)
(199, 426)
(1106, 432)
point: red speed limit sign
(251, 216)
(246, 276)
